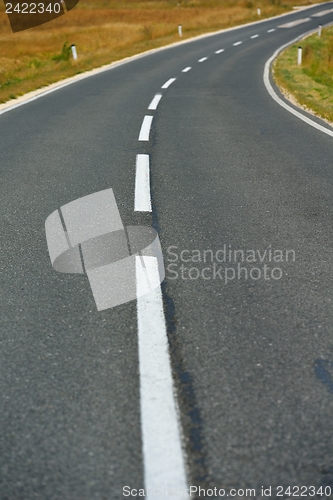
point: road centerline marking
(219, 51)
(271, 30)
(161, 437)
(322, 13)
(155, 102)
(255, 36)
(237, 43)
(295, 23)
(145, 128)
(202, 59)
(185, 70)
(168, 83)
(142, 198)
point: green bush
(64, 54)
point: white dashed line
(161, 437)
(219, 51)
(295, 23)
(185, 70)
(237, 43)
(271, 30)
(203, 59)
(168, 83)
(145, 128)
(322, 13)
(254, 36)
(155, 102)
(142, 201)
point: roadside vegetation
(311, 83)
(107, 30)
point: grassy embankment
(108, 30)
(311, 84)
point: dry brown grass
(107, 30)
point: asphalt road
(252, 358)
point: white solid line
(282, 103)
(185, 70)
(271, 30)
(203, 59)
(237, 43)
(161, 438)
(295, 23)
(155, 102)
(219, 51)
(254, 36)
(145, 128)
(168, 83)
(142, 200)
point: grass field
(108, 30)
(311, 84)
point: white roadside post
(299, 56)
(319, 29)
(259, 12)
(180, 30)
(74, 52)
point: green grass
(311, 83)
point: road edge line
(279, 100)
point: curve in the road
(151, 316)
(279, 100)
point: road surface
(250, 333)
